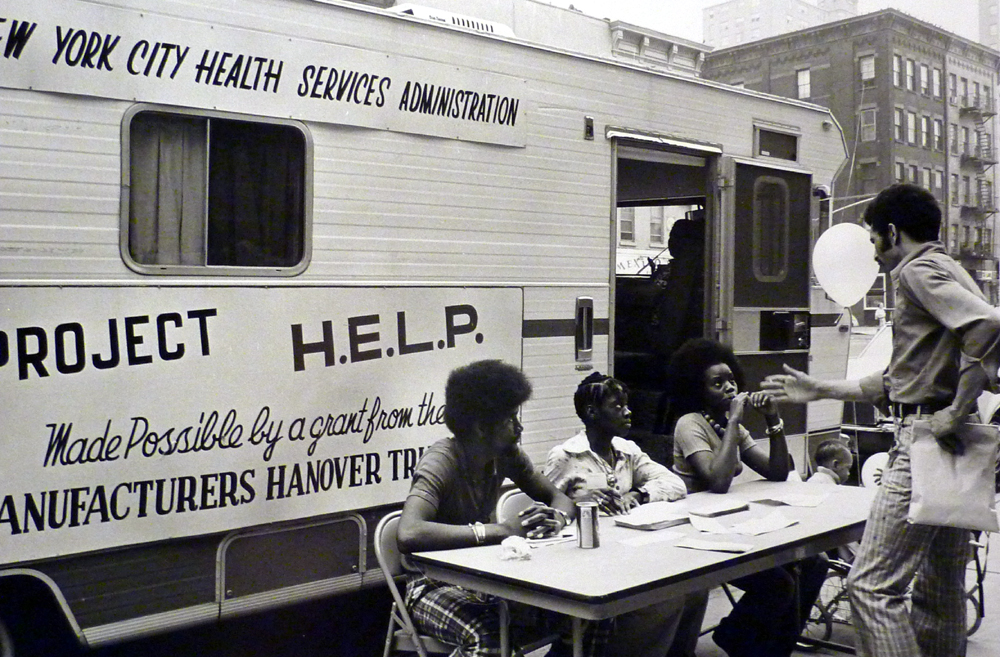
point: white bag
(951, 490)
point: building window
(975, 94)
(966, 145)
(899, 132)
(966, 190)
(963, 90)
(938, 135)
(914, 174)
(925, 131)
(953, 139)
(938, 181)
(936, 83)
(656, 224)
(900, 172)
(925, 80)
(867, 66)
(897, 71)
(803, 84)
(925, 178)
(911, 128)
(952, 87)
(954, 189)
(868, 125)
(910, 68)
(626, 225)
(215, 192)
(770, 229)
(985, 190)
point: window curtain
(167, 195)
(256, 195)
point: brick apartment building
(916, 103)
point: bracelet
(565, 516)
(776, 429)
(480, 532)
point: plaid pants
(471, 620)
(893, 554)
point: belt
(901, 410)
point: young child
(833, 466)
(833, 462)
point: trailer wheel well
(31, 620)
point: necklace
(720, 431)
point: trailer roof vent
(457, 20)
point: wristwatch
(643, 496)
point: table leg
(577, 637)
(504, 629)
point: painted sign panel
(93, 50)
(135, 414)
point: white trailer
(242, 245)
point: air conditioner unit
(953, 100)
(455, 20)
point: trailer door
(764, 272)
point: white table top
(619, 576)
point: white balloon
(844, 262)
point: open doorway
(661, 276)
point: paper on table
(717, 507)
(771, 522)
(715, 546)
(796, 499)
(567, 534)
(708, 525)
(652, 537)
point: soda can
(587, 527)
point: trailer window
(770, 229)
(215, 192)
(781, 145)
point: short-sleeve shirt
(459, 496)
(942, 325)
(694, 434)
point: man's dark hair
(911, 208)
(686, 373)
(593, 390)
(486, 391)
(829, 450)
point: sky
(683, 17)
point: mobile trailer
(242, 246)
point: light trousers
(895, 554)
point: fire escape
(978, 200)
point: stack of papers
(655, 515)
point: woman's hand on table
(539, 521)
(631, 499)
(608, 500)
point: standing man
(944, 351)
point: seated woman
(454, 491)
(710, 448)
(600, 464)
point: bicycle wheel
(973, 619)
(819, 627)
(833, 596)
